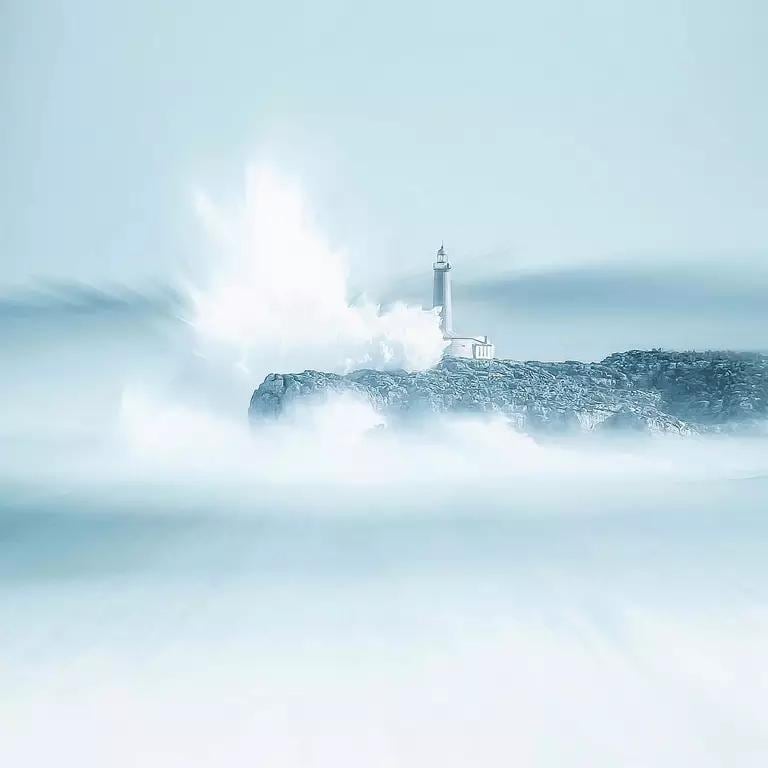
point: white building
(475, 347)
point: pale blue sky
(569, 131)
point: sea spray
(276, 295)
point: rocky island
(652, 391)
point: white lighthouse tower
(474, 347)
(441, 292)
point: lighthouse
(441, 291)
(474, 347)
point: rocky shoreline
(650, 391)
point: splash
(278, 296)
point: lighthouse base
(472, 347)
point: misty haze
(383, 387)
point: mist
(180, 588)
(195, 195)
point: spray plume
(279, 298)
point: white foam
(276, 295)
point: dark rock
(656, 391)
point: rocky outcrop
(710, 389)
(677, 392)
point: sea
(178, 589)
